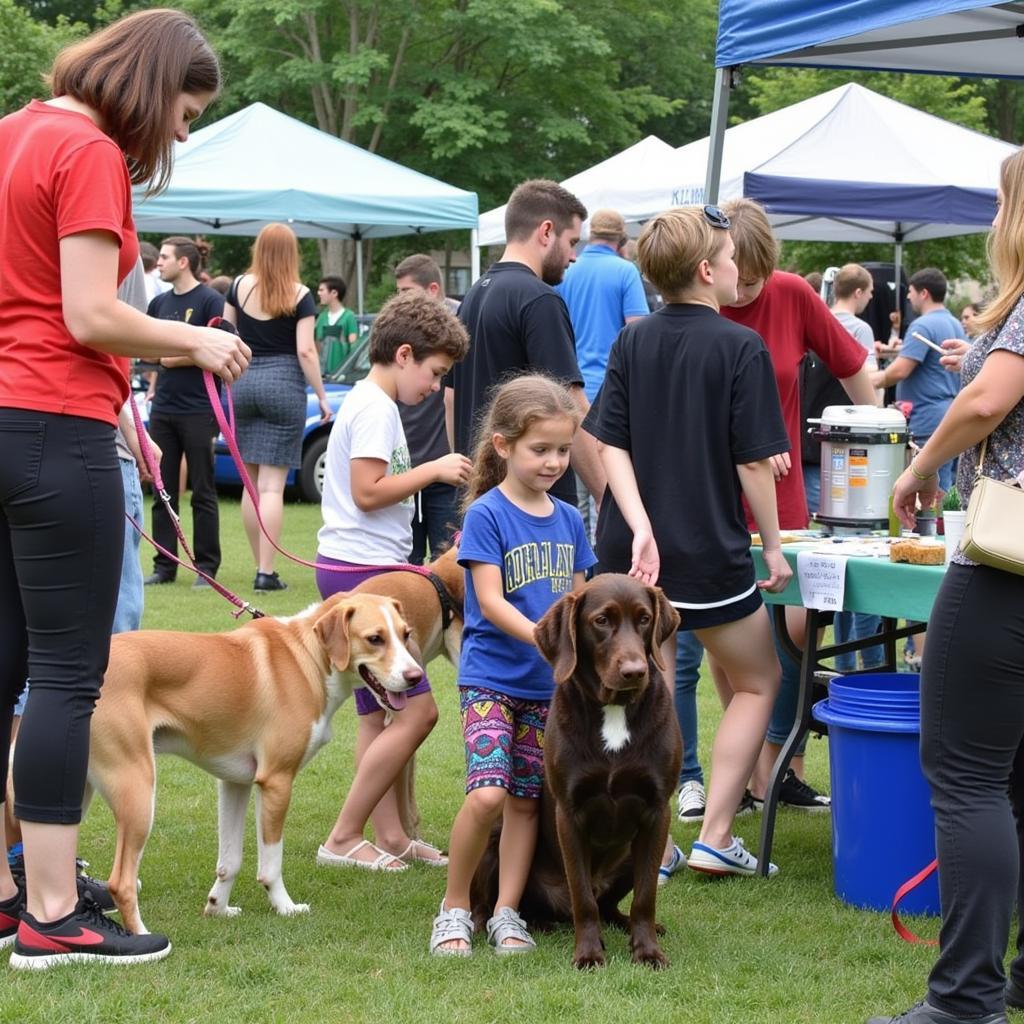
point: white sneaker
(734, 860)
(692, 800)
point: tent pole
(898, 269)
(359, 271)
(474, 255)
(716, 141)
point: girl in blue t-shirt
(523, 550)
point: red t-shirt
(59, 175)
(793, 320)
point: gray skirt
(270, 411)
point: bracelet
(920, 476)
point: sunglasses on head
(716, 217)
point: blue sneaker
(734, 860)
(676, 863)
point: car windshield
(357, 365)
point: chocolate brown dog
(612, 751)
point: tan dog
(424, 612)
(249, 706)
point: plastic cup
(954, 523)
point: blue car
(308, 479)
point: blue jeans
(784, 710)
(689, 653)
(857, 626)
(434, 521)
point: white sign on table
(822, 580)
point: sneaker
(748, 804)
(86, 884)
(691, 801)
(156, 579)
(10, 913)
(736, 859)
(84, 936)
(797, 794)
(267, 581)
(201, 583)
(925, 1013)
(1014, 994)
(676, 863)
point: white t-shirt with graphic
(367, 427)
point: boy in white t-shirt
(367, 510)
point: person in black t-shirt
(689, 417)
(181, 420)
(517, 323)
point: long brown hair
(132, 73)
(1006, 248)
(514, 407)
(275, 265)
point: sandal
(450, 925)
(420, 852)
(507, 924)
(384, 861)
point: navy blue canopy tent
(959, 37)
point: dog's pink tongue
(397, 700)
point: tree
(27, 49)
(961, 101)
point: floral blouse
(1004, 456)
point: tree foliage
(27, 48)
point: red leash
(901, 929)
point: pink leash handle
(226, 425)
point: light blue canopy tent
(259, 165)
(959, 37)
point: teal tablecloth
(894, 590)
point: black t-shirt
(181, 389)
(818, 389)
(516, 323)
(274, 337)
(689, 395)
(425, 429)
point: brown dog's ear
(332, 630)
(666, 622)
(555, 634)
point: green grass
(745, 951)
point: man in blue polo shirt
(603, 292)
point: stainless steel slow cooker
(863, 451)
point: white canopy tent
(632, 182)
(259, 165)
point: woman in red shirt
(121, 98)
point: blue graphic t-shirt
(931, 387)
(537, 556)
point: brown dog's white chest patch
(614, 727)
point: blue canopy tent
(971, 37)
(259, 165)
(959, 37)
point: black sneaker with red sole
(84, 936)
(10, 915)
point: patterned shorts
(504, 739)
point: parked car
(308, 479)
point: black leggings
(61, 538)
(972, 731)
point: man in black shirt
(181, 420)
(518, 323)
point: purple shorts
(504, 739)
(329, 583)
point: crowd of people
(554, 410)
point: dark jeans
(689, 654)
(191, 435)
(61, 537)
(972, 727)
(434, 521)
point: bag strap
(981, 460)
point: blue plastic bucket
(883, 828)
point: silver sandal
(507, 924)
(449, 925)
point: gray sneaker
(925, 1013)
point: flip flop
(384, 861)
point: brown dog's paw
(650, 956)
(616, 919)
(659, 928)
(587, 958)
